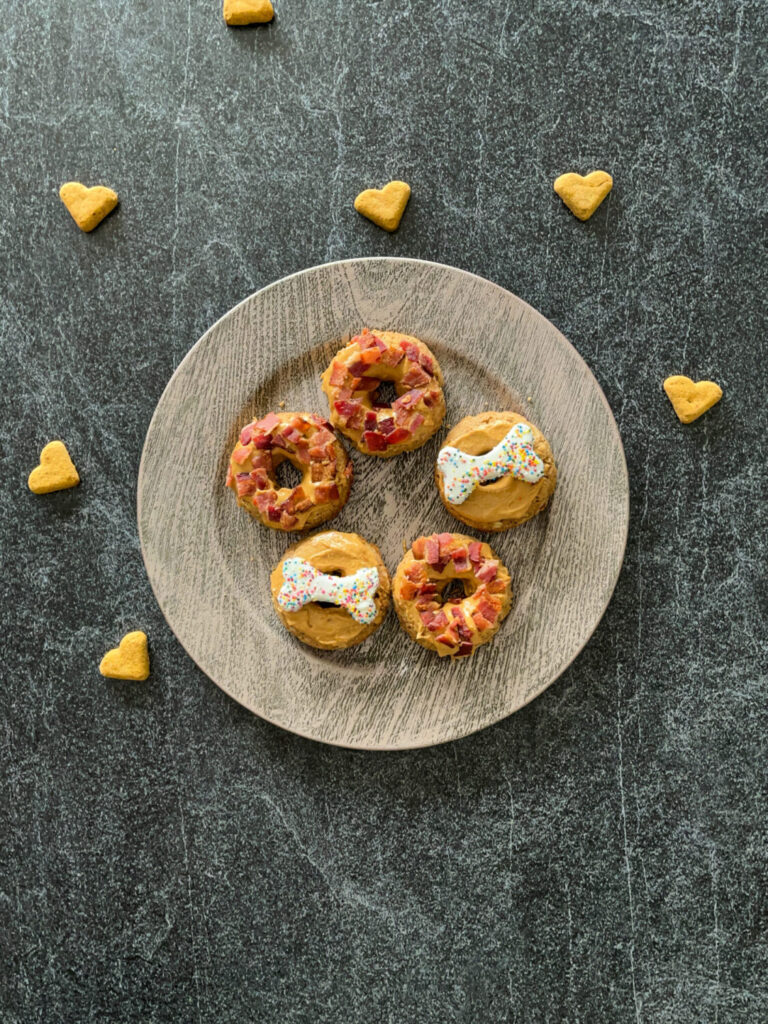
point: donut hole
(455, 590)
(384, 395)
(287, 475)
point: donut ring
(508, 500)
(328, 627)
(352, 380)
(457, 626)
(309, 443)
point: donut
(495, 471)
(352, 381)
(451, 625)
(309, 443)
(331, 590)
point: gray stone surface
(599, 857)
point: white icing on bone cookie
(304, 584)
(513, 454)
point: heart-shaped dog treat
(56, 471)
(384, 206)
(691, 399)
(247, 12)
(128, 661)
(582, 196)
(88, 206)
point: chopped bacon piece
(460, 561)
(428, 588)
(432, 550)
(465, 648)
(371, 419)
(292, 435)
(408, 590)
(408, 400)
(475, 552)
(364, 340)
(431, 398)
(273, 513)
(338, 374)
(415, 572)
(449, 638)
(240, 454)
(245, 434)
(398, 435)
(418, 547)
(356, 421)
(299, 424)
(319, 421)
(346, 408)
(322, 437)
(411, 349)
(244, 484)
(387, 425)
(402, 415)
(260, 440)
(264, 499)
(425, 601)
(415, 422)
(302, 451)
(445, 540)
(304, 505)
(344, 393)
(426, 618)
(329, 469)
(230, 477)
(375, 441)
(267, 424)
(298, 494)
(480, 620)
(487, 570)
(366, 360)
(261, 479)
(326, 491)
(392, 356)
(496, 587)
(415, 378)
(287, 520)
(367, 384)
(487, 610)
(280, 440)
(439, 621)
(316, 472)
(427, 363)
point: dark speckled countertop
(602, 855)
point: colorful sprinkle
(513, 454)
(304, 584)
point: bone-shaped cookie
(513, 454)
(304, 583)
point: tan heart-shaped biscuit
(128, 661)
(88, 206)
(56, 471)
(384, 206)
(248, 12)
(581, 195)
(691, 399)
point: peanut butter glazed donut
(352, 384)
(331, 590)
(495, 471)
(456, 626)
(309, 443)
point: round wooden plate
(209, 562)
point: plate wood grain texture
(209, 562)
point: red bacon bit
(364, 339)
(302, 451)
(496, 587)
(449, 638)
(279, 440)
(408, 400)
(415, 422)
(475, 552)
(418, 547)
(367, 384)
(316, 472)
(461, 560)
(292, 434)
(487, 570)
(298, 494)
(398, 435)
(326, 492)
(261, 479)
(439, 621)
(273, 513)
(329, 469)
(268, 424)
(408, 590)
(366, 360)
(371, 420)
(401, 415)
(264, 499)
(424, 602)
(415, 572)
(346, 408)
(415, 378)
(356, 422)
(304, 505)
(465, 649)
(445, 540)
(487, 610)
(375, 441)
(428, 588)
(323, 436)
(259, 440)
(426, 618)
(287, 520)
(432, 550)
(338, 374)
(431, 398)
(480, 620)
(411, 349)
(240, 454)
(392, 356)
(244, 484)
(387, 425)
(427, 363)
(245, 434)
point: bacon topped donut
(352, 383)
(451, 625)
(309, 443)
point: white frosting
(513, 454)
(304, 584)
